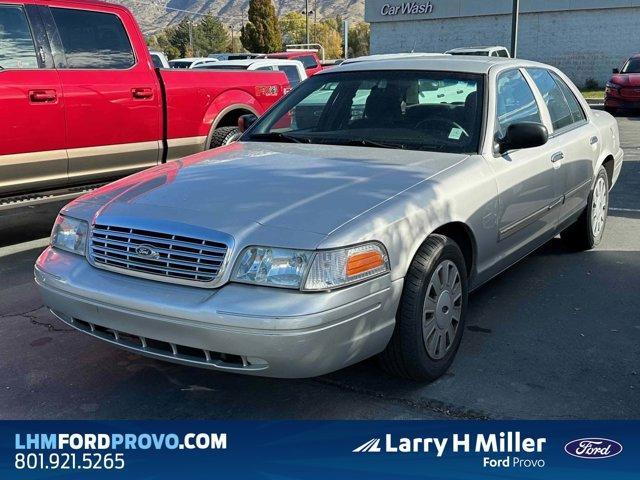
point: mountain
(153, 15)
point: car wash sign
(406, 8)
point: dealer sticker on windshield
(455, 133)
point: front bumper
(238, 328)
(621, 102)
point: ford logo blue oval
(147, 251)
(593, 448)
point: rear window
(93, 40)
(292, 74)
(17, 49)
(308, 61)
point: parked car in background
(235, 56)
(495, 51)
(301, 249)
(191, 62)
(623, 89)
(90, 106)
(159, 59)
(293, 69)
(309, 59)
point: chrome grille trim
(177, 258)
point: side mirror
(616, 70)
(245, 121)
(523, 135)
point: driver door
(529, 189)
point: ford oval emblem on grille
(147, 251)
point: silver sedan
(351, 220)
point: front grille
(165, 256)
(630, 92)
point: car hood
(627, 79)
(307, 188)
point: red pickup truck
(81, 102)
(309, 59)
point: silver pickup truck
(352, 220)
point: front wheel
(586, 233)
(430, 318)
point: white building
(584, 38)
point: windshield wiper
(279, 137)
(363, 142)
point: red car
(623, 90)
(309, 59)
(81, 102)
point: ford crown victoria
(311, 245)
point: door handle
(593, 140)
(556, 157)
(142, 93)
(42, 96)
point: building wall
(583, 43)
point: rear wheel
(222, 136)
(587, 231)
(430, 318)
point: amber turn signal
(363, 262)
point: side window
(93, 40)
(515, 101)
(292, 74)
(265, 68)
(17, 49)
(308, 61)
(553, 97)
(503, 53)
(576, 110)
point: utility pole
(515, 15)
(306, 17)
(346, 39)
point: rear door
(32, 131)
(112, 98)
(574, 142)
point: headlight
(276, 267)
(70, 234)
(323, 270)
(345, 266)
(612, 87)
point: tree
(261, 34)
(359, 36)
(329, 38)
(210, 36)
(293, 28)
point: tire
(586, 233)
(221, 136)
(408, 355)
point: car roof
(390, 56)
(266, 61)
(446, 63)
(193, 59)
(475, 49)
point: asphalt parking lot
(556, 336)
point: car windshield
(412, 110)
(632, 66)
